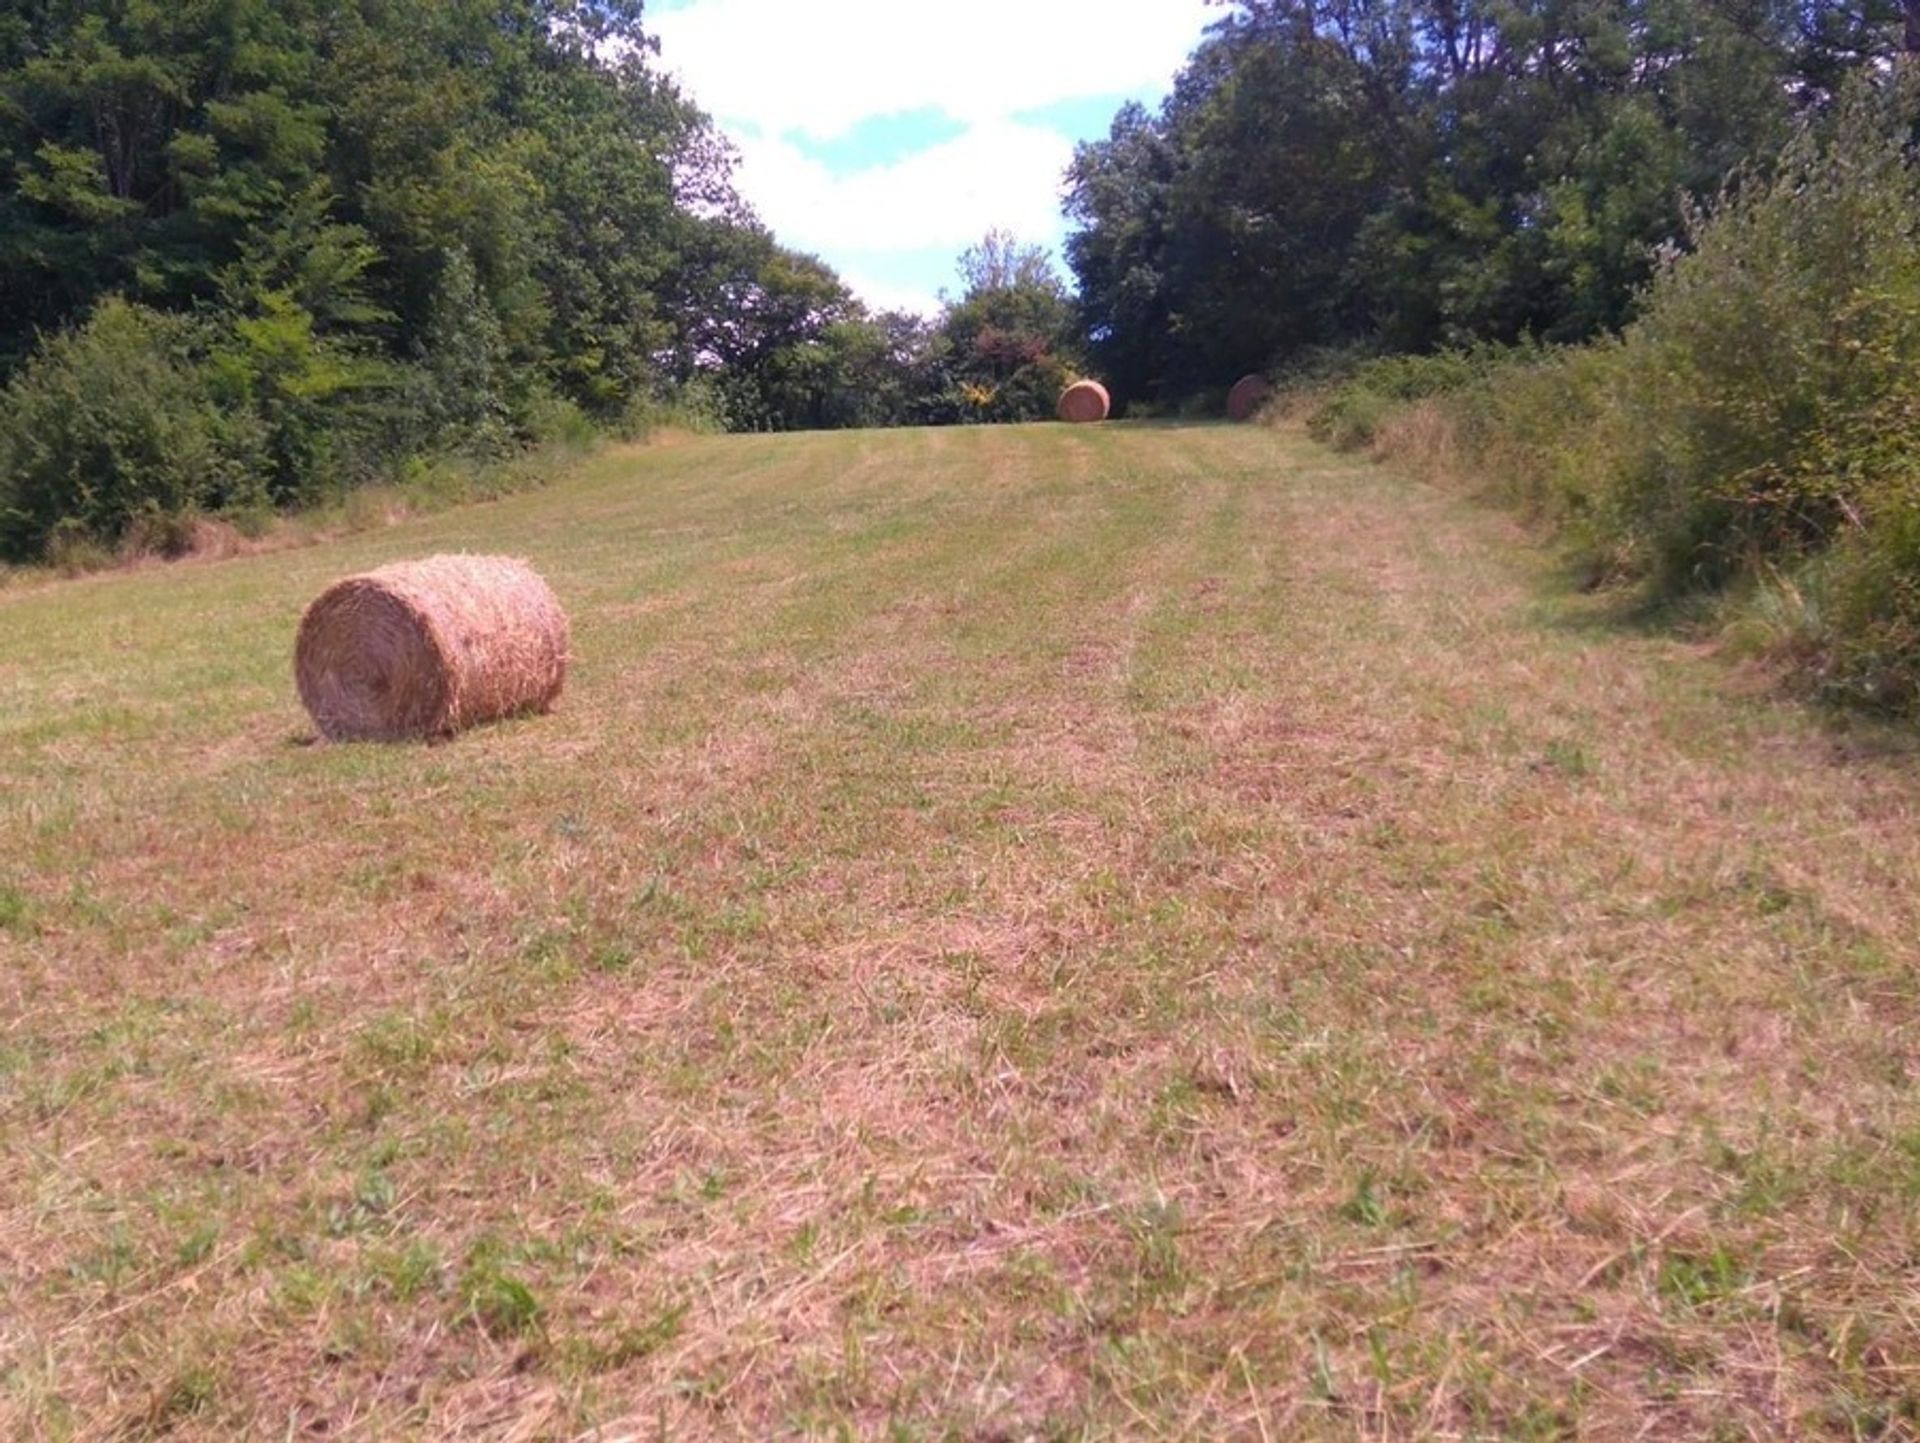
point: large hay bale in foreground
(1248, 395)
(425, 648)
(1085, 401)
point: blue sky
(888, 135)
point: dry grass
(1421, 438)
(1140, 931)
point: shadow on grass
(1568, 600)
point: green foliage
(1755, 435)
(1429, 174)
(460, 391)
(877, 367)
(300, 386)
(550, 420)
(1007, 345)
(792, 349)
(695, 408)
(1033, 392)
(1350, 417)
(1350, 413)
(392, 232)
(117, 420)
(1872, 622)
(761, 331)
(1772, 361)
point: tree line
(1409, 175)
(256, 252)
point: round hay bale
(1085, 401)
(1248, 395)
(426, 648)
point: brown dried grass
(1424, 439)
(1248, 395)
(1085, 401)
(1349, 984)
(428, 648)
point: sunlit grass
(1134, 931)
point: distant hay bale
(1248, 395)
(1085, 401)
(426, 648)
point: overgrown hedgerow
(114, 422)
(1754, 436)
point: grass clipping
(1085, 401)
(427, 648)
(1248, 395)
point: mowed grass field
(1037, 932)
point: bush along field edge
(1745, 454)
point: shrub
(1352, 409)
(114, 421)
(1551, 431)
(311, 399)
(551, 420)
(461, 387)
(1350, 416)
(1032, 392)
(1766, 358)
(1872, 596)
(1754, 437)
(696, 407)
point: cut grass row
(1148, 932)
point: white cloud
(773, 69)
(999, 173)
(882, 296)
(822, 66)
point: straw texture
(1085, 401)
(427, 648)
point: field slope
(1146, 932)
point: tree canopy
(1418, 173)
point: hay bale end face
(1246, 398)
(426, 648)
(1085, 401)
